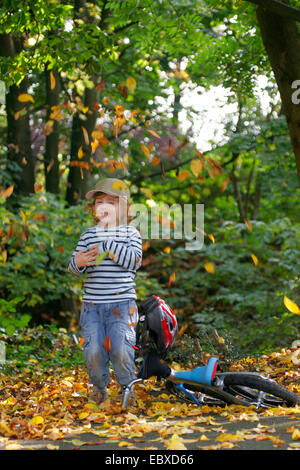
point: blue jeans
(109, 332)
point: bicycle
(205, 386)
(156, 334)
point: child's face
(107, 209)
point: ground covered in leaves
(49, 403)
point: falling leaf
(85, 135)
(37, 187)
(23, 216)
(155, 161)
(80, 152)
(106, 344)
(147, 149)
(291, 306)
(100, 86)
(183, 175)
(25, 97)
(5, 193)
(52, 80)
(209, 267)
(211, 237)
(196, 167)
(171, 279)
(100, 258)
(255, 260)
(131, 84)
(248, 225)
(154, 133)
(132, 310)
(225, 184)
(147, 192)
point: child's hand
(86, 258)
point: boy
(110, 252)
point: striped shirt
(112, 280)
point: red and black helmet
(159, 324)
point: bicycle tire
(256, 389)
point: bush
(36, 246)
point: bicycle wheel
(255, 389)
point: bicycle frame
(199, 376)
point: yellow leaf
(154, 133)
(13, 446)
(255, 260)
(167, 249)
(209, 267)
(296, 435)
(24, 97)
(23, 217)
(124, 444)
(175, 443)
(80, 152)
(196, 167)
(37, 420)
(131, 84)
(83, 415)
(211, 237)
(225, 437)
(147, 149)
(291, 306)
(118, 185)
(171, 279)
(52, 80)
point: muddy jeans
(109, 334)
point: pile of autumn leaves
(51, 405)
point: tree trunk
(79, 168)
(51, 163)
(282, 43)
(78, 173)
(20, 163)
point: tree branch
(279, 8)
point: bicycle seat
(199, 375)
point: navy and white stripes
(112, 280)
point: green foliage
(41, 345)
(241, 297)
(38, 242)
